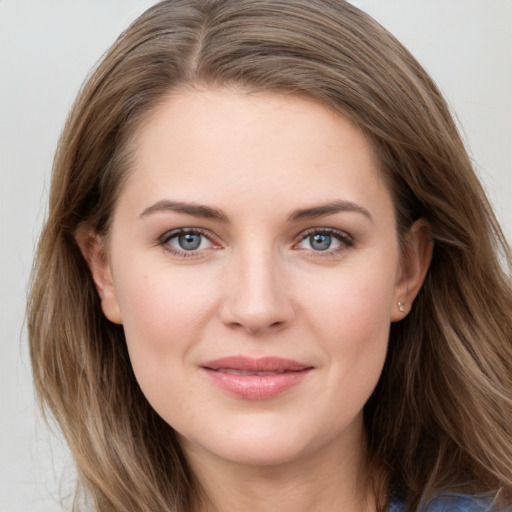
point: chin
(267, 442)
(258, 451)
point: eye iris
(320, 242)
(189, 241)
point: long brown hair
(440, 417)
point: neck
(334, 477)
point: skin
(258, 286)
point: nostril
(254, 303)
(257, 326)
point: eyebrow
(207, 212)
(328, 209)
(195, 210)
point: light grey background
(47, 47)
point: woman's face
(254, 264)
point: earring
(401, 306)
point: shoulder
(455, 502)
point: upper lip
(256, 364)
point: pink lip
(256, 378)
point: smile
(255, 378)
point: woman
(269, 278)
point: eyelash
(346, 241)
(167, 237)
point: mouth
(256, 378)
(246, 372)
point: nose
(256, 296)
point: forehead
(235, 145)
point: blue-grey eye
(188, 241)
(324, 241)
(320, 241)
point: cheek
(350, 313)
(164, 314)
(164, 311)
(354, 300)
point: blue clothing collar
(454, 502)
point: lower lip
(257, 387)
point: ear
(416, 258)
(93, 250)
